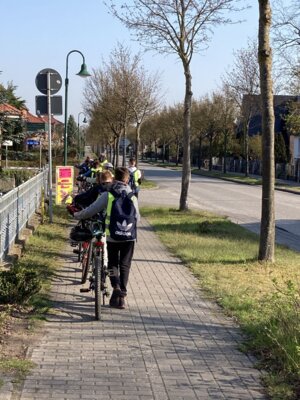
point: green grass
(229, 176)
(264, 298)
(165, 164)
(146, 184)
(19, 368)
(240, 178)
(42, 250)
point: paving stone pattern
(169, 344)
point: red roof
(9, 109)
(34, 119)
(53, 120)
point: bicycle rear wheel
(97, 274)
(79, 251)
(86, 261)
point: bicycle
(90, 233)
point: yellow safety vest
(95, 170)
(136, 177)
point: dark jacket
(87, 198)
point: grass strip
(263, 298)
(229, 176)
(146, 184)
(248, 180)
(27, 284)
(20, 368)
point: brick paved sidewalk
(170, 343)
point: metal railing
(17, 207)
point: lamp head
(84, 120)
(83, 71)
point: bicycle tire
(97, 274)
(79, 252)
(85, 263)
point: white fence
(16, 208)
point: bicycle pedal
(84, 290)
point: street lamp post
(78, 131)
(83, 73)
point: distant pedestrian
(135, 178)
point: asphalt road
(241, 203)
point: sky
(37, 34)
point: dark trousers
(119, 261)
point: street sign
(8, 143)
(55, 81)
(41, 105)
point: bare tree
(226, 113)
(112, 91)
(267, 227)
(181, 27)
(144, 101)
(286, 36)
(287, 23)
(242, 82)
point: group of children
(115, 193)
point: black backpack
(122, 226)
(131, 182)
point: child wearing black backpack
(122, 214)
(135, 178)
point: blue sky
(39, 34)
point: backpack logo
(124, 226)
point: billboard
(64, 183)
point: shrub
(20, 175)
(18, 284)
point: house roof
(252, 104)
(9, 109)
(33, 119)
(53, 120)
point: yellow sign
(64, 183)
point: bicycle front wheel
(97, 276)
(85, 262)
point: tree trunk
(142, 155)
(225, 152)
(137, 142)
(124, 148)
(246, 145)
(267, 227)
(117, 151)
(177, 152)
(164, 152)
(200, 153)
(186, 162)
(210, 152)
